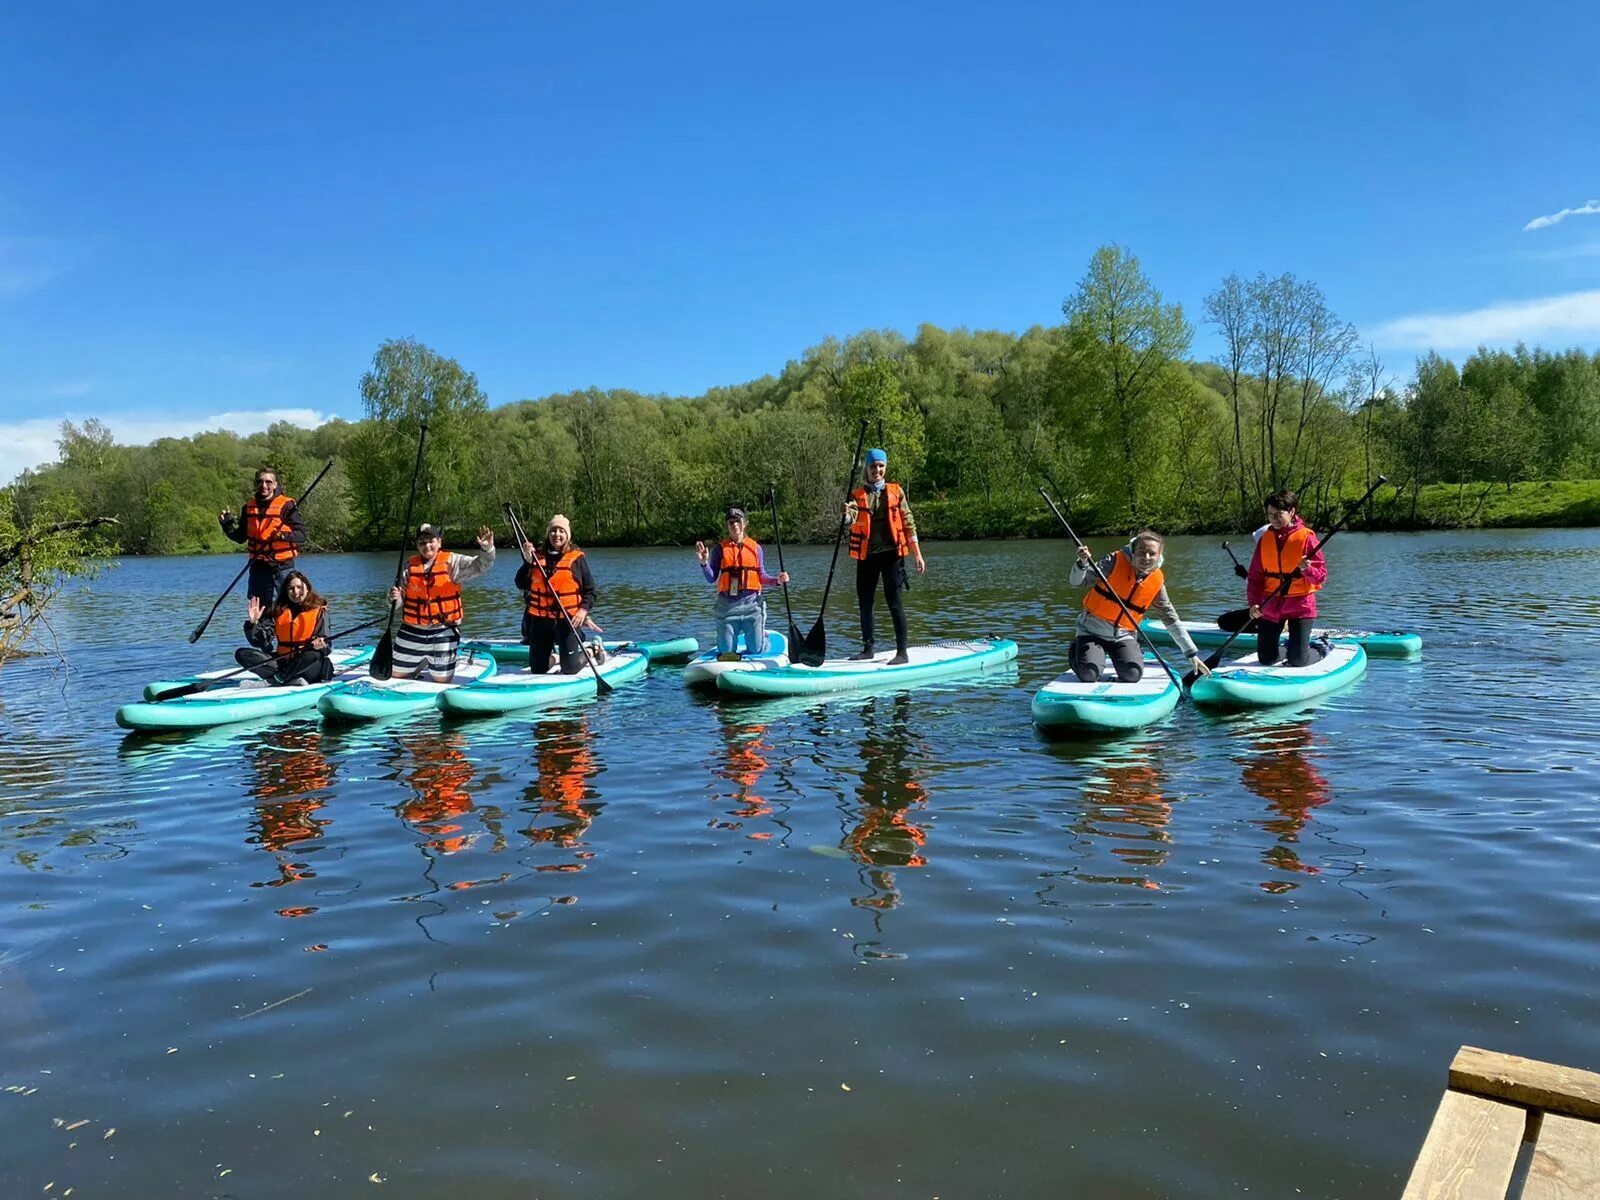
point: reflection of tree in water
(290, 780)
(1283, 772)
(435, 767)
(884, 837)
(1124, 803)
(562, 799)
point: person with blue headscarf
(883, 534)
(1134, 576)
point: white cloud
(28, 443)
(1558, 320)
(1588, 209)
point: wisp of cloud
(1588, 209)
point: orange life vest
(295, 630)
(861, 527)
(432, 598)
(739, 571)
(1137, 594)
(264, 530)
(1276, 566)
(541, 599)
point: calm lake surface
(885, 946)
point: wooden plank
(1557, 1089)
(1470, 1152)
(1566, 1161)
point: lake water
(896, 946)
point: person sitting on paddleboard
(271, 531)
(1135, 575)
(1287, 552)
(883, 535)
(431, 609)
(739, 569)
(543, 626)
(289, 641)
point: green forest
(1107, 408)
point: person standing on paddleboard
(289, 641)
(1286, 572)
(272, 532)
(883, 535)
(431, 609)
(543, 626)
(1135, 575)
(739, 569)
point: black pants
(1301, 652)
(891, 568)
(266, 579)
(311, 665)
(1088, 658)
(544, 634)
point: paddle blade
(796, 639)
(601, 687)
(813, 648)
(1236, 620)
(382, 664)
(198, 630)
(187, 689)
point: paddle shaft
(1215, 656)
(383, 657)
(201, 628)
(817, 640)
(777, 538)
(1138, 633)
(190, 689)
(601, 686)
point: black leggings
(544, 634)
(1088, 658)
(311, 665)
(1301, 652)
(889, 567)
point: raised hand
(254, 609)
(702, 555)
(485, 538)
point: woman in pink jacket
(1281, 586)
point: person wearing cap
(883, 534)
(430, 622)
(570, 588)
(739, 569)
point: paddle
(601, 686)
(1215, 657)
(201, 628)
(1236, 619)
(1106, 583)
(382, 664)
(813, 648)
(202, 685)
(777, 537)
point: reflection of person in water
(292, 776)
(563, 789)
(1282, 771)
(884, 835)
(742, 763)
(439, 776)
(1123, 801)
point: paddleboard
(1245, 683)
(703, 669)
(240, 698)
(507, 691)
(838, 675)
(1067, 702)
(510, 652)
(371, 699)
(1208, 635)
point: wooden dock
(1494, 1104)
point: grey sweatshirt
(1161, 607)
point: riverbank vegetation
(1107, 408)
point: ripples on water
(868, 946)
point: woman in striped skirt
(430, 629)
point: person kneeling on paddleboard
(1135, 576)
(1286, 571)
(738, 567)
(543, 626)
(883, 535)
(431, 612)
(289, 641)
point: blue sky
(214, 214)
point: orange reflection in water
(291, 777)
(1284, 773)
(1124, 802)
(890, 793)
(437, 770)
(741, 765)
(562, 797)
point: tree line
(1105, 407)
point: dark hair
(1148, 535)
(312, 599)
(260, 471)
(1285, 501)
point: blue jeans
(744, 615)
